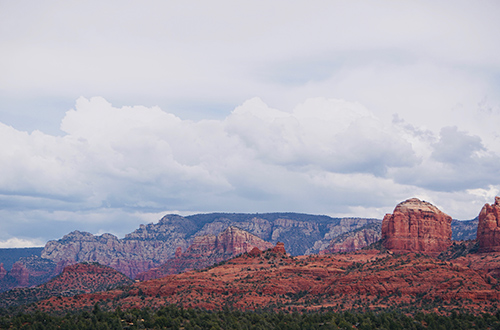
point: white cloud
(410, 72)
(20, 243)
(325, 156)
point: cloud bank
(359, 105)
(325, 156)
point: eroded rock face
(488, 229)
(279, 248)
(3, 272)
(152, 245)
(20, 273)
(28, 271)
(207, 250)
(416, 226)
(145, 248)
(355, 240)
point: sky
(115, 113)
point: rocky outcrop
(9, 256)
(301, 233)
(21, 274)
(463, 230)
(361, 280)
(355, 240)
(255, 252)
(208, 250)
(416, 226)
(488, 230)
(28, 271)
(3, 272)
(74, 279)
(152, 245)
(279, 248)
(146, 248)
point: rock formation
(152, 245)
(208, 250)
(279, 248)
(138, 252)
(463, 230)
(255, 252)
(355, 240)
(20, 273)
(365, 280)
(74, 279)
(416, 226)
(488, 229)
(3, 272)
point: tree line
(173, 317)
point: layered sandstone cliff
(416, 226)
(145, 248)
(152, 245)
(488, 230)
(207, 250)
(355, 240)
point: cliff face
(488, 230)
(152, 245)
(464, 229)
(28, 271)
(417, 226)
(208, 250)
(355, 240)
(20, 273)
(3, 272)
(145, 248)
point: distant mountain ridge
(153, 244)
(462, 230)
(208, 250)
(8, 256)
(415, 257)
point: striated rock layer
(152, 245)
(145, 248)
(208, 250)
(416, 226)
(354, 240)
(488, 229)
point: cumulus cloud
(329, 134)
(324, 156)
(456, 147)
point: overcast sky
(114, 113)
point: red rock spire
(488, 229)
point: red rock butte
(416, 226)
(488, 229)
(279, 248)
